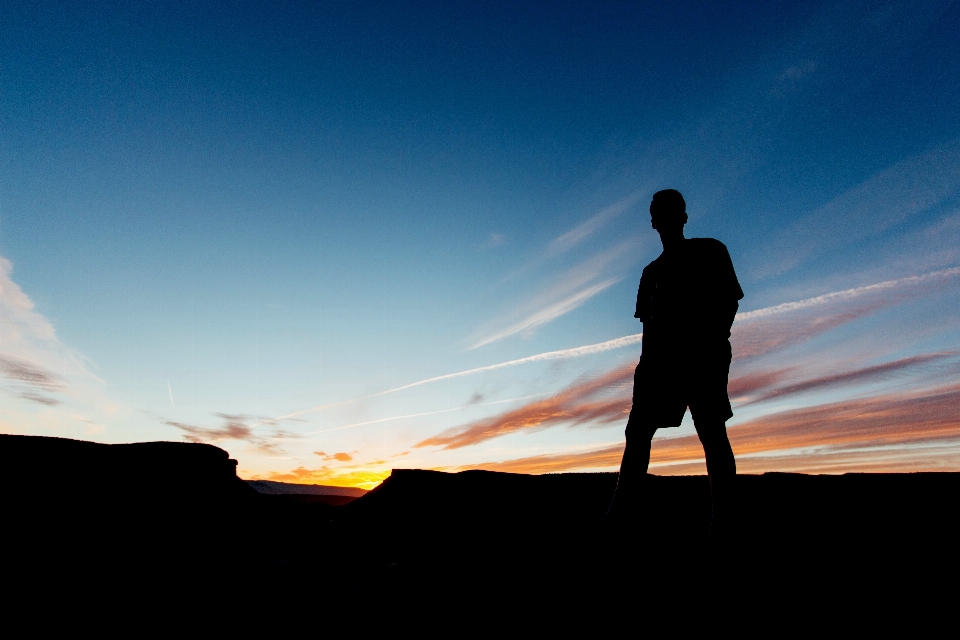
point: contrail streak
(847, 294)
(426, 413)
(170, 391)
(550, 313)
(562, 354)
(635, 338)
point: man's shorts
(664, 386)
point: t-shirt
(688, 296)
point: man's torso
(686, 299)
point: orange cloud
(606, 399)
(597, 459)
(865, 374)
(579, 403)
(751, 382)
(893, 460)
(576, 404)
(911, 431)
(765, 334)
(896, 419)
(339, 457)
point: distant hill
(272, 488)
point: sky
(336, 238)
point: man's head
(668, 211)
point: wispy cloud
(764, 330)
(234, 427)
(905, 189)
(233, 430)
(937, 456)
(589, 227)
(915, 431)
(36, 367)
(915, 283)
(578, 404)
(579, 234)
(569, 290)
(421, 414)
(797, 71)
(755, 332)
(495, 240)
(756, 381)
(548, 313)
(30, 344)
(39, 398)
(900, 420)
(856, 376)
(19, 319)
(562, 354)
(29, 373)
(585, 401)
(604, 458)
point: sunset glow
(340, 238)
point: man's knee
(713, 437)
(717, 449)
(640, 435)
(637, 431)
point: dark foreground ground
(168, 527)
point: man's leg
(722, 470)
(633, 471)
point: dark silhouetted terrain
(171, 523)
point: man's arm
(728, 287)
(643, 298)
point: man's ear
(653, 222)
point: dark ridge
(844, 519)
(160, 525)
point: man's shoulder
(653, 264)
(706, 244)
(707, 251)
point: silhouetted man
(687, 300)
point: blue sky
(215, 216)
